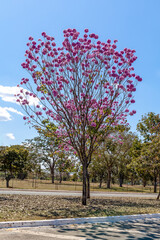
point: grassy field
(25, 207)
(70, 186)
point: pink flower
(86, 30)
(30, 38)
(93, 124)
(44, 34)
(55, 93)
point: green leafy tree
(123, 154)
(45, 149)
(97, 168)
(149, 128)
(14, 161)
(141, 160)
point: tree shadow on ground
(136, 230)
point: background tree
(14, 161)
(64, 164)
(47, 148)
(149, 128)
(84, 86)
(97, 168)
(141, 163)
(105, 160)
(123, 154)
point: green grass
(27, 207)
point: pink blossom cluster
(84, 86)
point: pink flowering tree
(84, 87)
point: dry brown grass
(70, 186)
(26, 207)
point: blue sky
(135, 23)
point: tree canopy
(84, 87)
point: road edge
(66, 221)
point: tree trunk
(84, 192)
(121, 182)
(52, 174)
(121, 178)
(60, 177)
(100, 182)
(109, 179)
(155, 183)
(88, 185)
(7, 182)
(132, 182)
(144, 182)
(159, 188)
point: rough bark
(121, 179)
(88, 185)
(155, 183)
(144, 183)
(159, 188)
(109, 179)
(52, 178)
(52, 174)
(132, 182)
(8, 178)
(84, 192)
(60, 177)
(52, 167)
(100, 182)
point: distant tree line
(123, 157)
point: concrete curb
(66, 221)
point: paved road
(74, 193)
(142, 229)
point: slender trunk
(159, 188)
(109, 179)
(60, 177)
(155, 183)
(7, 182)
(84, 192)
(132, 182)
(52, 178)
(121, 182)
(52, 171)
(88, 185)
(52, 174)
(121, 178)
(100, 182)
(144, 182)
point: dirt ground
(25, 207)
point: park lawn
(33, 207)
(71, 186)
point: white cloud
(10, 136)
(7, 95)
(10, 109)
(5, 115)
